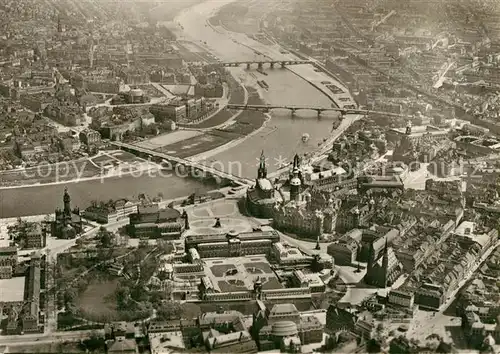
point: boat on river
(261, 71)
(263, 84)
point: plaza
(12, 290)
(202, 218)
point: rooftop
(283, 309)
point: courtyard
(240, 273)
(12, 290)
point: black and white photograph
(249, 176)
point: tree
(94, 343)
(79, 242)
(170, 310)
(69, 296)
(105, 237)
(162, 275)
(123, 296)
(165, 246)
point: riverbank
(106, 164)
(233, 131)
(124, 170)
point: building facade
(233, 244)
(31, 311)
(152, 222)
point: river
(281, 138)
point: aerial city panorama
(247, 176)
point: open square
(12, 290)
(240, 273)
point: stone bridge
(260, 63)
(192, 168)
(343, 111)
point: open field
(12, 290)
(169, 138)
(244, 124)
(220, 117)
(97, 300)
(194, 146)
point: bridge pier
(319, 112)
(248, 66)
(272, 65)
(294, 112)
(282, 64)
(260, 65)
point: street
(33, 339)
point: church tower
(385, 266)
(262, 171)
(67, 202)
(295, 185)
(296, 161)
(296, 167)
(408, 128)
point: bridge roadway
(271, 62)
(343, 111)
(186, 163)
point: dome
(284, 329)
(295, 181)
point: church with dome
(67, 223)
(261, 198)
(296, 206)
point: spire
(296, 162)
(385, 264)
(262, 171)
(67, 201)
